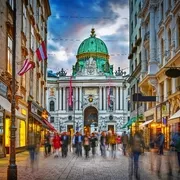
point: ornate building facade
(98, 94)
(160, 50)
(31, 29)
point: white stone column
(64, 98)
(60, 98)
(121, 98)
(117, 98)
(100, 98)
(80, 97)
(165, 89)
(153, 68)
(105, 98)
(76, 98)
(57, 100)
(173, 85)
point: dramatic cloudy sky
(71, 22)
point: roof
(92, 45)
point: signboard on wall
(165, 109)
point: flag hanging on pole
(70, 92)
(41, 52)
(26, 67)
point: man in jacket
(65, 141)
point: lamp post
(12, 168)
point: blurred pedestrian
(136, 145)
(124, 140)
(160, 140)
(65, 142)
(118, 142)
(47, 145)
(56, 144)
(86, 143)
(93, 142)
(176, 141)
(112, 142)
(78, 142)
(103, 142)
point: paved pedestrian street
(79, 168)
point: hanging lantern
(173, 72)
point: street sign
(137, 97)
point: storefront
(36, 124)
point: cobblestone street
(79, 168)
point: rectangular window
(51, 119)
(24, 20)
(37, 89)
(162, 10)
(42, 92)
(9, 55)
(31, 82)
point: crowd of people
(59, 144)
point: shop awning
(146, 123)
(176, 115)
(39, 119)
(49, 125)
(7, 106)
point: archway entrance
(90, 119)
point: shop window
(7, 132)
(51, 105)
(22, 135)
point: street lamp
(12, 168)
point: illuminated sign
(23, 111)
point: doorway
(111, 128)
(90, 119)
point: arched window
(51, 106)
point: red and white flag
(26, 67)
(70, 92)
(41, 52)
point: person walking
(47, 146)
(124, 139)
(118, 142)
(86, 143)
(112, 141)
(93, 141)
(103, 141)
(56, 144)
(65, 142)
(176, 142)
(78, 142)
(160, 140)
(136, 146)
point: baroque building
(31, 30)
(98, 94)
(160, 50)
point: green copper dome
(92, 45)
